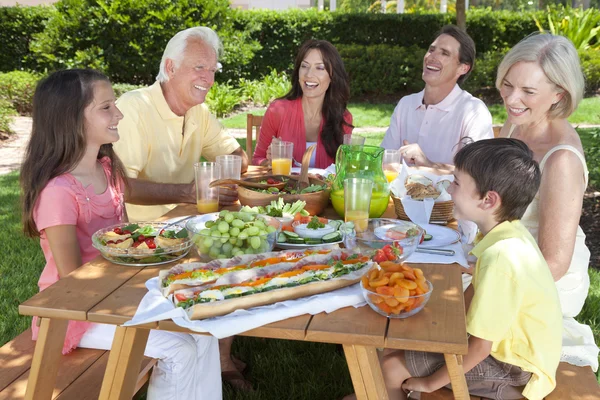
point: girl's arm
(561, 199)
(65, 248)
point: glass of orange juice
(281, 161)
(357, 202)
(207, 198)
(392, 163)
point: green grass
(378, 115)
(280, 369)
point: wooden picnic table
(103, 292)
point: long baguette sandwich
(194, 274)
(300, 279)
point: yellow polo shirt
(516, 306)
(159, 146)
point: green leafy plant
(580, 26)
(261, 93)
(7, 112)
(592, 155)
(120, 88)
(222, 98)
(18, 87)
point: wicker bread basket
(442, 211)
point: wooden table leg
(46, 359)
(357, 379)
(365, 370)
(457, 376)
(124, 363)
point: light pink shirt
(439, 128)
(64, 201)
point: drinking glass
(354, 140)
(231, 166)
(357, 202)
(207, 198)
(281, 153)
(392, 163)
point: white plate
(294, 246)
(442, 236)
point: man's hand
(413, 155)
(227, 195)
(422, 385)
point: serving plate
(442, 236)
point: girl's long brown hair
(58, 140)
(336, 96)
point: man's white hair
(176, 47)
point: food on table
(197, 274)
(395, 288)
(313, 274)
(206, 206)
(278, 208)
(290, 188)
(281, 166)
(359, 217)
(147, 243)
(315, 231)
(234, 234)
(419, 187)
(389, 252)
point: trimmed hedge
(17, 89)
(125, 39)
(18, 25)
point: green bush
(126, 38)
(7, 111)
(18, 87)
(17, 27)
(578, 25)
(261, 93)
(590, 63)
(382, 69)
(592, 155)
(223, 98)
(120, 88)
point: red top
(284, 119)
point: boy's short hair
(505, 166)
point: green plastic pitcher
(353, 161)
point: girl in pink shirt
(313, 111)
(72, 184)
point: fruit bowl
(229, 234)
(396, 301)
(144, 243)
(383, 233)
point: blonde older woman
(541, 84)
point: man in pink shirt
(429, 127)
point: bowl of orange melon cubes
(395, 290)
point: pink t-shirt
(284, 119)
(64, 201)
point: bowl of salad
(316, 195)
(142, 243)
(279, 209)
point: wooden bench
(79, 376)
(572, 383)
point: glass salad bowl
(142, 243)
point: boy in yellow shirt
(514, 317)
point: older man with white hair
(165, 130)
(166, 127)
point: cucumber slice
(332, 237)
(336, 223)
(297, 240)
(427, 237)
(291, 235)
(281, 238)
(312, 241)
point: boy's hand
(422, 385)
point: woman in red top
(313, 111)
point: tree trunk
(461, 15)
(400, 7)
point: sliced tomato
(180, 297)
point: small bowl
(304, 232)
(211, 245)
(139, 257)
(375, 236)
(390, 306)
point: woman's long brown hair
(58, 140)
(336, 96)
